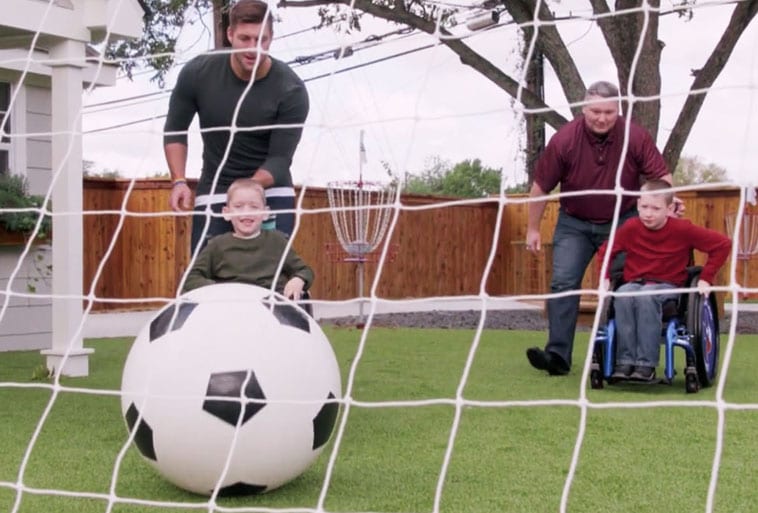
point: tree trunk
(220, 24)
(535, 82)
(550, 43)
(632, 39)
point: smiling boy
(658, 250)
(249, 254)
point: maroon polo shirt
(579, 160)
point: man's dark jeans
(575, 242)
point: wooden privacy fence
(442, 246)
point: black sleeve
(292, 111)
(181, 108)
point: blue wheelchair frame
(691, 324)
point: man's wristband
(178, 181)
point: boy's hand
(605, 284)
(703, 287)
(293, 289)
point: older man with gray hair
(585, 154)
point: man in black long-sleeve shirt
(241, 100)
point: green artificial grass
(504, 459)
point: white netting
(398, 107)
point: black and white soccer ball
(231, 388)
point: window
(5, 141)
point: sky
(428, 105)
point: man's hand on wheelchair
(679, 208)
(703, 287)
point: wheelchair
(691, 323)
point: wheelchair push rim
(703, 320)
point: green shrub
(14, 194)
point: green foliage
(14, 194)
(108, 173)
(466, 179)
(692, 170)
(42, 373)
(519, 188)
(163, 25)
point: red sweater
(663, 255)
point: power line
(343, 51)
(122, 100)
(346, 51)
(370, 41)
(276, 38)
(309, 79)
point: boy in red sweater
(658, 249)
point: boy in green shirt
(249, 254)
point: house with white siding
(46, 61)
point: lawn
(512, 458)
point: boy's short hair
(654, 186)
(251, 11)
(248, 184)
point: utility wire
(309, 79)
(369, 42)
(342, 51)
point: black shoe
(544, 360)
(538, 358)
(622, 371)
(643, 374)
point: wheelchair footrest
(636, 382)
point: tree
(692, 170)
(466, 179)
(626, 27)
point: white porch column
(67, 356)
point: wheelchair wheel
(703, 325)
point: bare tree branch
(468, 56)
(552, 46)
(742, 15)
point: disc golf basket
(746, 239)
(361, 212)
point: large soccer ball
(230, 375)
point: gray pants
(638, 324)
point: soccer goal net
(410, 202)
